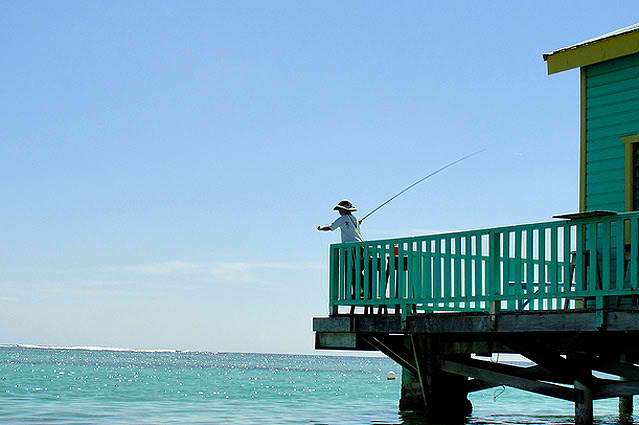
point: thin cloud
(238, 271)
(9, 299)
(163, 268)
(250, 272)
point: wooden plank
(357, 284)
(367, 272)
(530, 265)
(468, 268)
(544, 322)
(518, 256)
(605, 261)
(579, 260)
(526, 384)
(553, 266)
(593, 254)
(543, 278)
(343, 276)
(617, 389)
(479, 283)
(447, 269)
(622, 321)
(626, 371)
(410, 267)
(379, 265)
(567, 269)
(335, 341)
(541, 323)
(506, 265)
(333, 280)
(620, 253)
(531, 372)
(427, 286)
(401, 271)
(457, 278)
(612, 71)
(417, 261)
(634, 252)
(373, 265)
(437, 271)
(332, 324)
(493, 283)
(392, 278)
(381, 275)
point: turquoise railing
(538, 266)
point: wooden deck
(468, 333)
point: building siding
(612, 111)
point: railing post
(579, 263)
(634, 252)
(493, 272)
(333, 281)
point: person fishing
(349, 226)
(346, 222)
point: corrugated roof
(615, 33)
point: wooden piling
(583, 407)
(625, 407)
(442, 396)
(625, 402)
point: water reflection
(417, 418)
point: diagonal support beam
(624, 370)
(526, 384)
(566, 370)
(397, 353)
(530, 372)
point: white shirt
(350, 228)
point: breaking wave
(91, 348)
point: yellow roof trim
(594, 52)
(633, 138)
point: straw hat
(345, 205)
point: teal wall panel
(612, 111)
(614, 65)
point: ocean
(85, 385)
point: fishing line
(421, 180)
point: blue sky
(165, 164)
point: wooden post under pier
(625, 402)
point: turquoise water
(78, 386)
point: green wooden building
(562, 293)
(609, 105)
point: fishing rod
(421, 180)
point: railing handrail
(499, 229)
